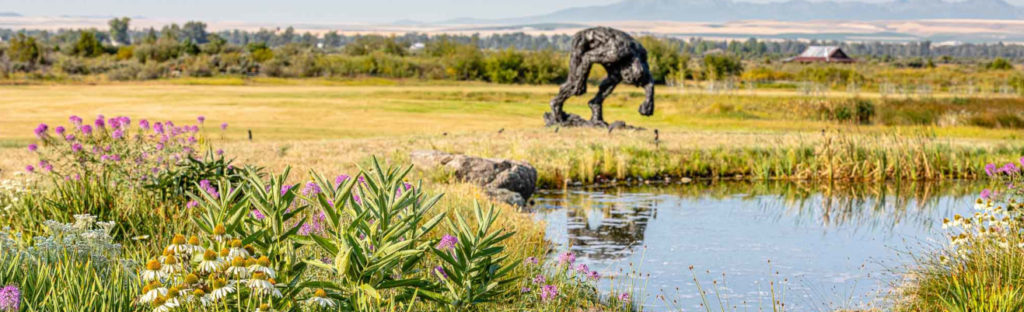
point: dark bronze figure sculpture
(623, 58)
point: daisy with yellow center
(237, 269)
(153, 271)
(262, 265)
(210, 262)
(261, 286)
(152, 291)
(320, 299)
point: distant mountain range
(792, 10)
(9, 14)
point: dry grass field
(332, 125)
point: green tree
(332, 39)
(24, 49)
(215, 44)
(150, 37)
(260, 52)
(195, 31)
(721, 66)
(87, 45)
(999, 64)
(119, 30)
(664, 58)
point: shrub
(999, 64)
(505, 66)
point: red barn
(826, 54)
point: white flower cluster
(990, 222)
(83, 240)
(11, 192)
(190, 275)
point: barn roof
(822, 53)
(819, 51)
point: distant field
(332, 124)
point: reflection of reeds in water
(609, 224)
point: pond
(830, 246)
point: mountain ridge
(792, 10)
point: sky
(320, 11)
(299, 11)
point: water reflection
(826, 238)
(610, 223)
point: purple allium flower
(10, 298)
(531, 260)
(257, 214)
(439, 272)
(340, 179)
(285, 188)
(75, 120)
(86, 129)
(191, 204)
(524, 290)
(69, 137)
(205, 184)
(201, 119)
(33, 147)
(539, 279)
(144, 124)
(41, 130)
(566, 257)
(548, 292)
(59, 130)
(583, 268)
(48, 168)
(447, 242)
(76, 147)
(114, 122)
(220, 152)
(356, 198)
(593, 275)
(624, 297)
(1010, 168)
(311, 189)
(986, 194)
(117, 134)
(224, 126)
(99, 122)
(990, 169)
(29, 168)
(191, 140)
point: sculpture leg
(564, 92)
(597, 103)
(647, 108)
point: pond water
(830, 246)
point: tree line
(121, 53)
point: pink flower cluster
(132, 153)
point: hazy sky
(294, 10)
(281, 11)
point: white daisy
(320, 299)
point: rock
(576, 121)
(506, 196)
(501, 178)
